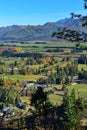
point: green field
(80, 89)
(55, 99)
(82, 66)
(50, 44)
(32, 46)
(22, 77)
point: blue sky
(34, 12)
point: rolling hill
(39, 32)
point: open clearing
(22, 77)
(80, 89)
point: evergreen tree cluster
(70, 110)
(62, 74)
(82, 75)
(82, 59)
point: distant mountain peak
(71, 23)
(62, 21)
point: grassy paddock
(55, 99)
(80, 89)
(32, 46)
(82, 66)
(22, 77)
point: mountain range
(39, 32)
